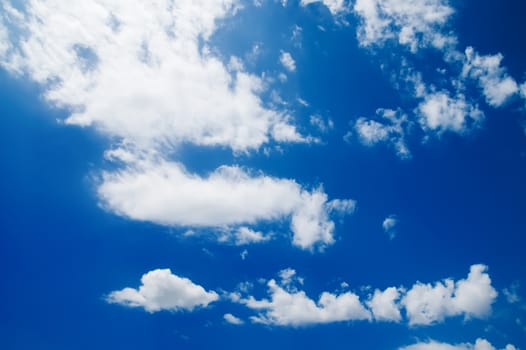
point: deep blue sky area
(457, 201)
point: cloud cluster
(424, 304)
(295, 308)
(162, 290)
(414, 24)
(147, 77)
(415, 28)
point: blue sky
(255, 174)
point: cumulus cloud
(295, 308)
(162, 290)
(472, 297)
(497, 86)
(480, 344)
(390, 127)
(414, 24)
(424, 304)
(233, 319)
(287, 61)
(245, 235)
(165, 193)
(335, 6)
(442, 112)
(384, 305)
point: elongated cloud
(165, 193)
(162, 290)
(424, 304)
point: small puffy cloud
(295, 308)
(472, 297)
(165, 193)
(389, 225)
(415, 24)
(289, 277)
(162, 290)
(384, 305)
(335, 6)
(497, 86)
(440, 112)
(245, 235)
(233, 319)
(287, 61)
(389, 127)
(480, 344)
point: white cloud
(144, 75)
(295, 308)
(384, 305)
(335, 6)
(472, 297)
(389, 225)
(413, 23)
(289, 277)
(138, 73)
(440, 112)
(245, 235)
(497, 86)
(233, 319)
(389, 128)
(424, 304)
(162, 290)
(287, 61)
(480, 344)
(165, 193)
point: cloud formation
(472, 297)
(424, 304)
(148, 78)
(165, 193)
(414, 24)
(162, 290)
(390, 127)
